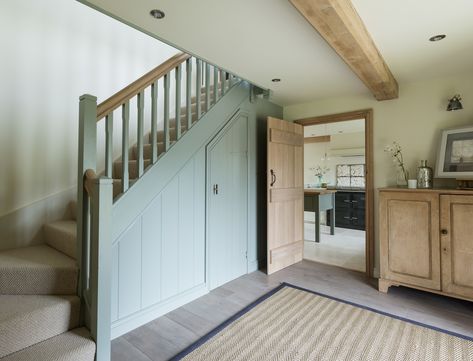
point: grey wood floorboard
(166, 336)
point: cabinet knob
(444, 231)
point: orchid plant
(396, 153)
(320, 171)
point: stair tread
(62, 235)
(75, 345)
(23, 319)
(37, 270)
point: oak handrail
(137, 86)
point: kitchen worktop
(319, 191)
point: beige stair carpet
(27, 320)
(75, 345)
(61, 235)
(297, 325)
(37, 270)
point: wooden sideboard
(426, 240)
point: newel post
(87, 159)
(101, 265)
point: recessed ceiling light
(276, 80)
(157, 14)
(438, 37)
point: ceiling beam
(340, 25)
(319, 139)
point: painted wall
(414, 120)
(52, 52)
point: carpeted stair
(39, 307)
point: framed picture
(455, 158)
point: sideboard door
(457, 244)
(409, 234)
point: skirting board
(137, 319)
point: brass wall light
(455, 103)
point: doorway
(227, 203)
(338, 190)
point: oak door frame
(367, 115)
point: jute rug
(291, 323)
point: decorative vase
(402, 177)
(425, 176)
(320, 180)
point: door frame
(208, 148)
(367, 115)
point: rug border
(253, 304)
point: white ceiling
(346, 127)
(264, 39)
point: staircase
(39, 306)
(51, 295)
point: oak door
(227, 199)
(409, 234)
(456, 215)
(285, 197)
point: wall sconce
(455, 103)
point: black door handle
(273, 177)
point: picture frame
(455, 156)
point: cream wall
(414, 120)
(52, 52)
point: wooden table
(320, 200)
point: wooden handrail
(137, 86)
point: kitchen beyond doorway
(338, 190)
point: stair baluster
(177, 118)
(125, 144)
(154, 122)
(141, 105)
(223, 81)
(215, 94)
(189, 93)
(207, 87)
(109, 145)
(166, 113)
(198, 90)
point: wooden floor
(167, 335)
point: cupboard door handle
(347, 217)
(347, 201)
(354, 201)
(273, 177)
(215, 188)
(444, 231)
(354, 218)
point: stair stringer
(132, 203)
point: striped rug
(291, 324)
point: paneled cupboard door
(457, 244)
(227, 202)
(409, 233)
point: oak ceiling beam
(340, 25)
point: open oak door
(285, 198)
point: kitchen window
(351, 176)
